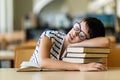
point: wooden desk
(7, 55)
(11, 74)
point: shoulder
(51, 33)
(46, 41)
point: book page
(28, 67)
(28, 64)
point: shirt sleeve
(46, 33)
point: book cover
(28, 67)
(88, 49)
(84, 60)
(84, 55)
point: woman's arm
(95, 42)
(47, 63)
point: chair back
(23, 52)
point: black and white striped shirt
(57, 39)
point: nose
(75, 33)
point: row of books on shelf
(75, 54)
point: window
(6, 16)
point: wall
(77, 6)
(21, 7)
(70, 6)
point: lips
(71, 37)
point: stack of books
(78, 54)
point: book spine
(74, 60)
(88, 50)
(100, 52)
(86, 57)
(74, 52)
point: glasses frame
(81, 33)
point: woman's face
(78, 33)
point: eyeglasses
(77, 28)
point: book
(83, 55)
(83, 60)
(87, 49)
(28, 67)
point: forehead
(84, 25)
(84, 28)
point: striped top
(57, 39)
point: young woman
(52, 44)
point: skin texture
(72, 38)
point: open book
(27, 66)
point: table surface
(11, 74)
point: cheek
(77, 39)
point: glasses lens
(82, 35)
(76, 26)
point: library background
(34, 16)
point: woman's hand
(92, 67)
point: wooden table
(7, 55)
(11, 74)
